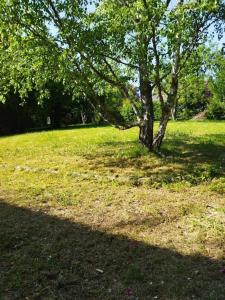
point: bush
(216, 110)
(127, 112)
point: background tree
(194, 97)
(219, 78)
(216, 107)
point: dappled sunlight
(182, 158)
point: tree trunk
(161, 131)
(169, 107)
(174, 110)
(173, 113)
(83, 117)
(146, 132)
(166, 114)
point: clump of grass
(218, 186)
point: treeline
(196, 95)
(57, 110)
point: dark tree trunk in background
(83, 117)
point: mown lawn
(88, 213)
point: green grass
(80, 201)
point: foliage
(157, 110)
(21, 114)
(219, 78)
(216, 107)
(127, 112)
(194, 96)
(216, 110)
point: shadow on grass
(49, 128)
(45, 257)
(209, 148)
(182, 158)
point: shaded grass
(93, 180)
(49, 257)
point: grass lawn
(88, 213)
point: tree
(134, 47)
(216, 107)
(19, 115)
(219, 79)
(194, 96)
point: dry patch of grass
(89, 214)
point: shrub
(216, 110)
(127, 112)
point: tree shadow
(182, 158)
(209, 148)
(50, 128)
(47, 257)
